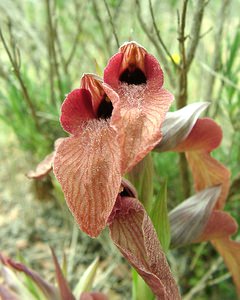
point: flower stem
(142, 178)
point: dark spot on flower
(126, 192)
(105, 109)
(133, 75)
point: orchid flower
(113, 125)
(207, 171)
(198, 138)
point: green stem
(142, 178)
(140, 290)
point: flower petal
(45, 166)
(220, 224)
(133, 233)
(76, 108)
(230, 251)
(133, 56)
(93, 84)
(205, 136)
(188, 219)
(139, 109)
(177, 125)
(112, 70)
(137, 116)
(87, 166)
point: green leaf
(141, 176)
(86, 281)
(159, 216)
(140, 290)
(234, 47)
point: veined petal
(133, 233)
(230, 251)
(188, 219)
(137, 116)
(205, 136)
(207, 171)
(128, 188)
(87, 166)
(177, 125)
(76, 108)
(219, 225)
(140, 103)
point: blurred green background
(45, 48)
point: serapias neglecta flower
(113, 124)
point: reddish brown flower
(113, 126)
(133, 233)
(205, 136)
(140, 102)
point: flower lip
(102, 105)
(133, 64)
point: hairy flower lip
(108, 149)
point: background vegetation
(45, 48)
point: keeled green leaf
(140, 290)
(159, 216)
(86, 281)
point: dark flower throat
(133, 76)
(105, 109)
